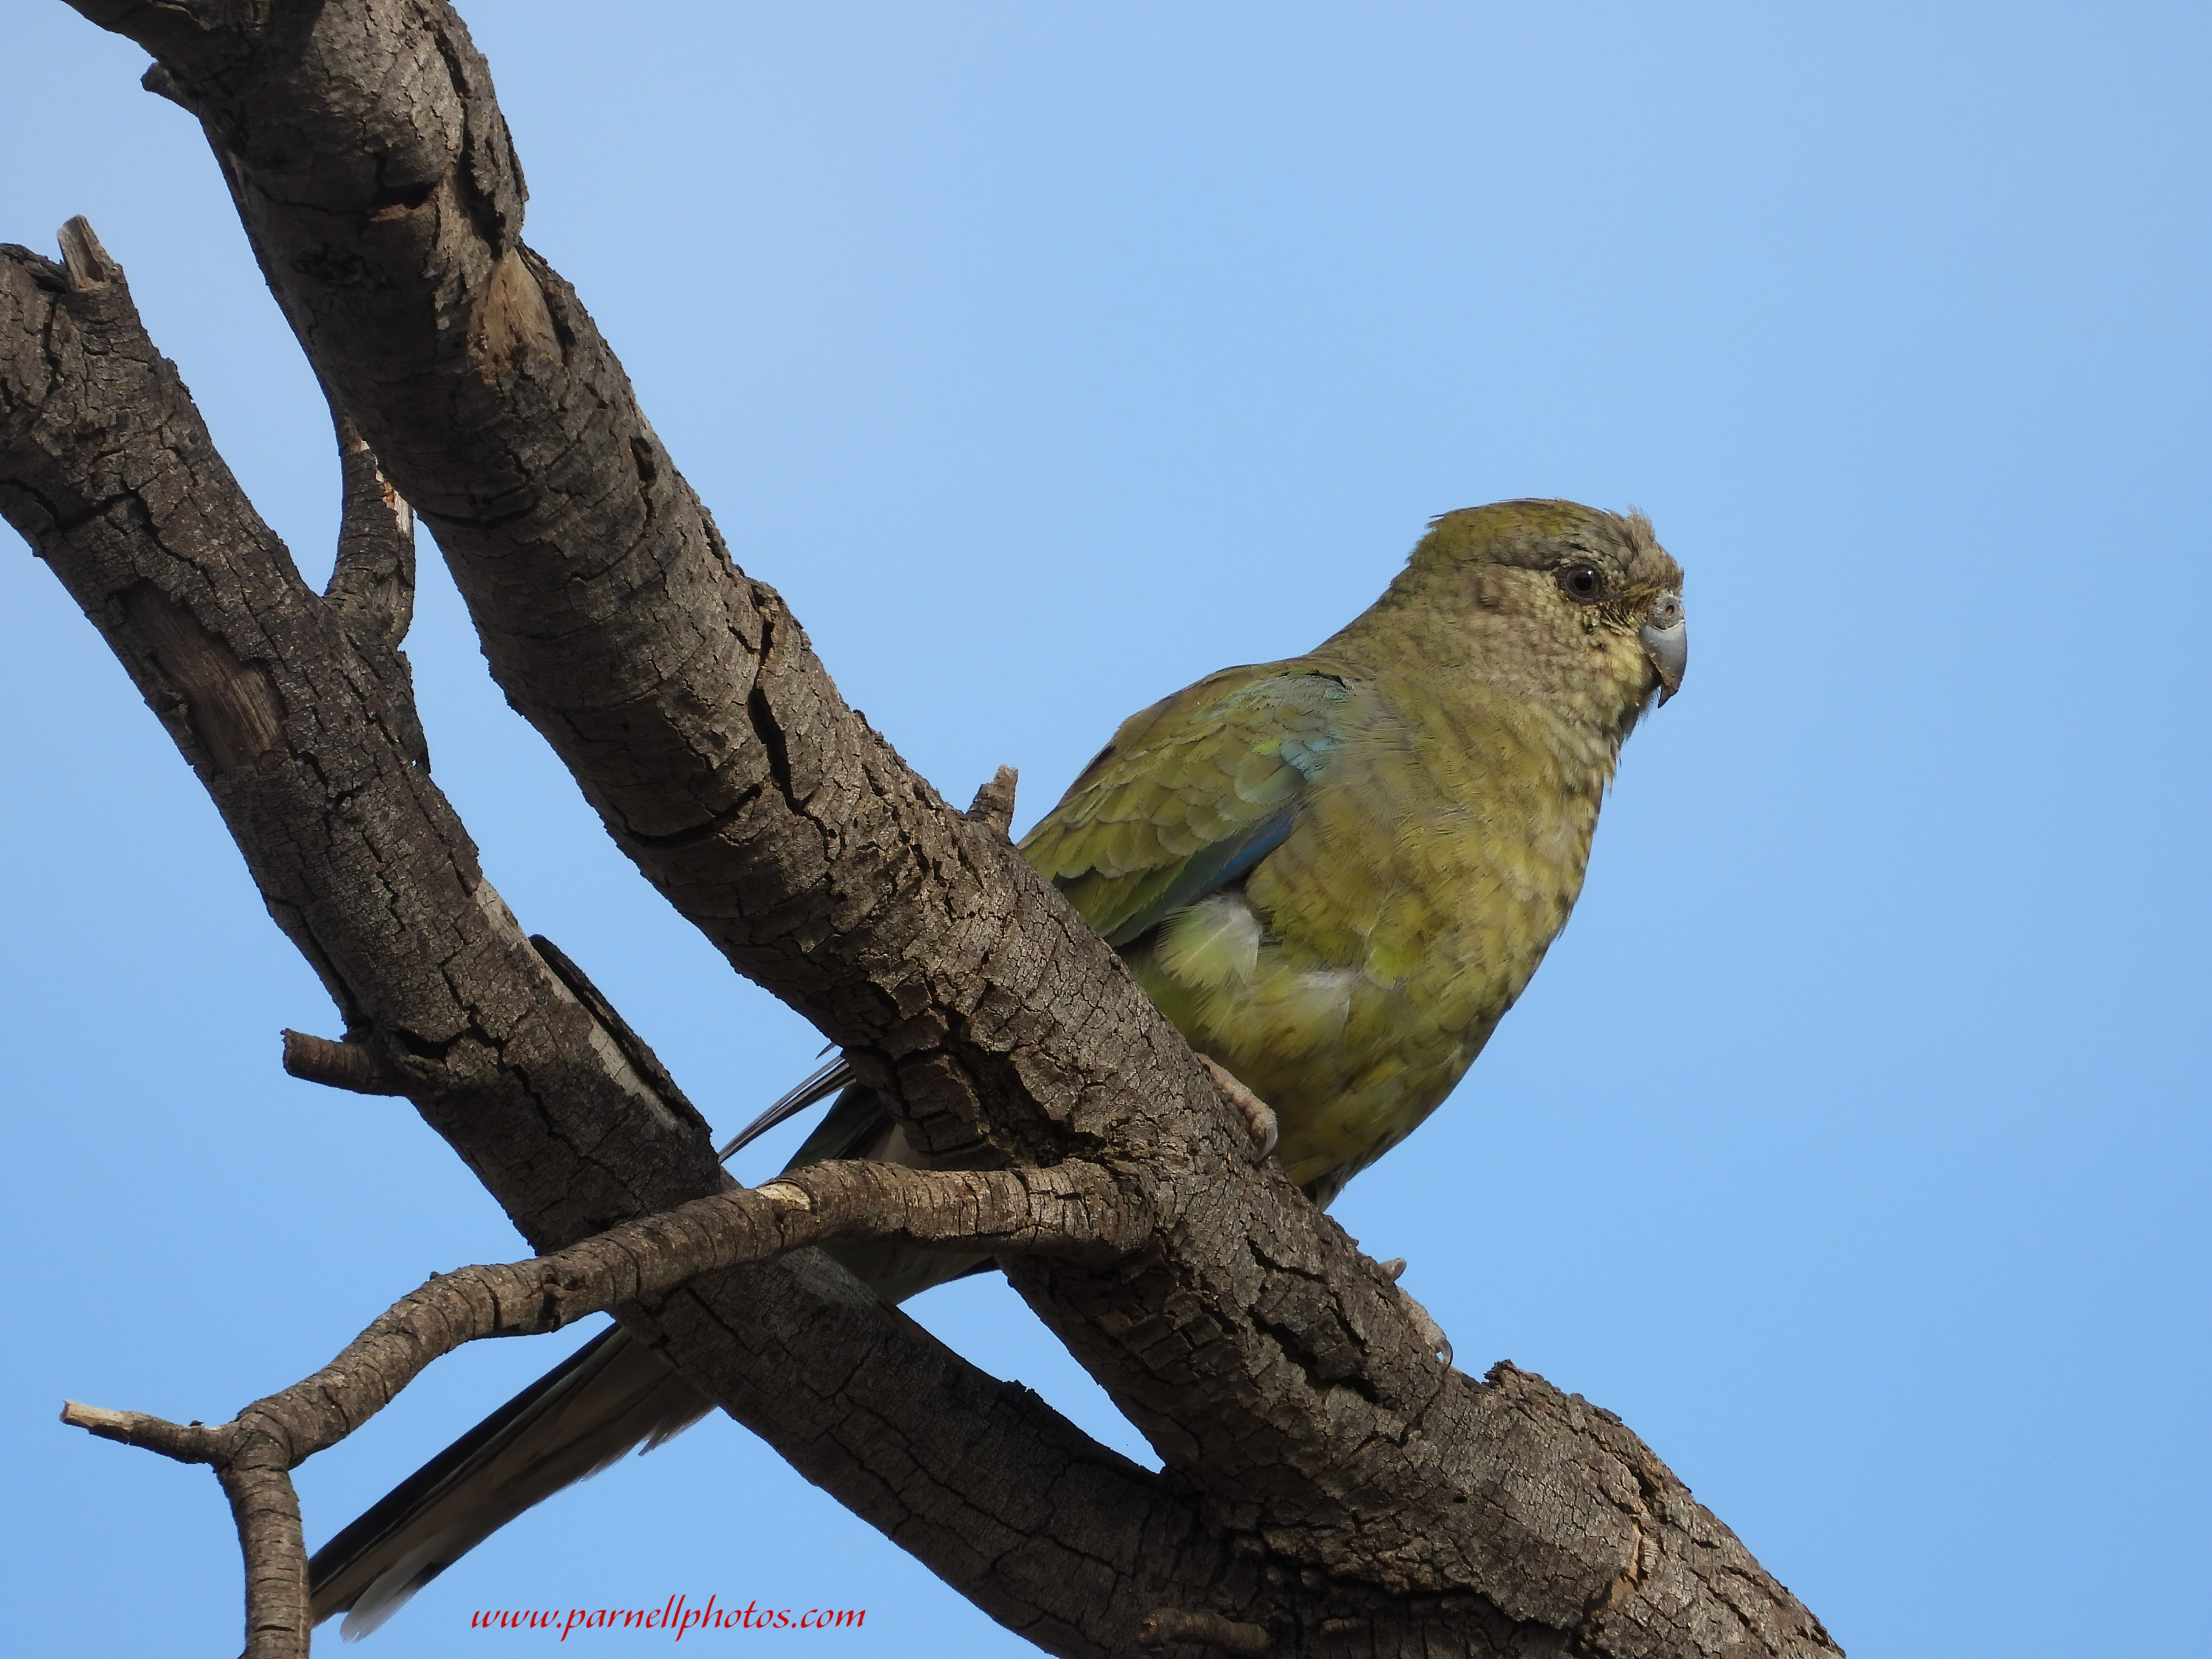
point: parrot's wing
(1190, 795)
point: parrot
(1334, 873)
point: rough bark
(1333, 1484)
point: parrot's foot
(1259, 1116)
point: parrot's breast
(1353, 977)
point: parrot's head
(1580, 607)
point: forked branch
(1074, 1210)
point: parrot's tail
(579, 1418)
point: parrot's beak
(1666, 638)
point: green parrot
(1334, 874)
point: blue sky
(1852, 1143)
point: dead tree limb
(108, 470)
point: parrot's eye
(1585, 582)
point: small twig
(187, 1442)
(1073, 1209)
(1168, 1625)
(85, 261)
(335, 1065)
(994, 805)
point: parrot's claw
(1259, 1117)
(1432, 1334)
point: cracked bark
(1332, 1482)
